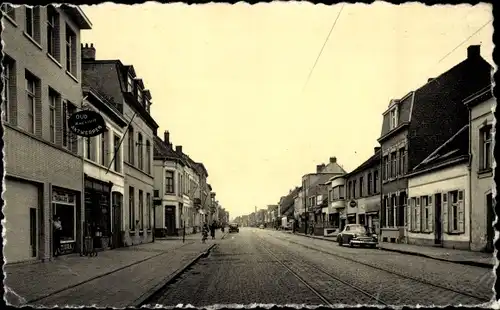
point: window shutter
(445, 217)
(431, 212)
(461, 217)
(408, 214)
(418, 217)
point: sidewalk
(197, 236)
(479, 259)
(126, 272)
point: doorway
(490, 234)
(170, 220)
(437, 220)
(117, 199)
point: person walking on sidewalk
(213, 227)
(57, 235)
(204, 233)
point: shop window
(64, 207)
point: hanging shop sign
(87, 123)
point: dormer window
(394, 117)
(130, 84)
(147, 104)
(139, 95)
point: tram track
(409, 280)
(481, 299)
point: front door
(170, 219)
(117, 199)
(490, 234)
(437, 220)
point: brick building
(410, 132)
(122, 87)
(44, 167)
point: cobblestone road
(245, 268)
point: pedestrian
(222, 228)
(57, 235)
(204, 233)
(212, 229)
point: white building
(481, 171)
(438, 191)
(336, 202)
(104, 178)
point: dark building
(416, 125)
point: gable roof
(162, 151)
(454, 150)
(370, 162)
(288, 201)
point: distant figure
(57, 235)
(204, 233)
(213, 227)
(222, 228)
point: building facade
(44, 166)
(482, 215)
(104, 182)
(121, 86)
(410, 133)
(363, 193)
(336, 202)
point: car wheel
(350, 244)
(340, 241)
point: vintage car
(233, 227)
(356, 234)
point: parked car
(261, 226)
(233, 227)
(356, 234)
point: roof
(288, 201)
(370, 162)
(481, 96)
(454, 150)
(162, 151)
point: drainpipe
(469, 168)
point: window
(402, 161)
(486, 150)
(392, 211)
(456, 211)
(148, 157)
(71, 51)
(394, 118)
(330, 195)
(139, 151)
(181, 184)
(130, 84)
(9, 10)
(139, 95)
(349, 189)
(30, 21)
(413, 213)
(353, 189)
(169, 182)
(117, 154)
(425, 214)
(369, 184)
(131, 145)
(156, 193)
(141, 209)
(341, 191)
(147, 105)
(375, 181)
(9, 80)
(90, 148)
(31, 82)
(104, 149)
(361, 187)
(393, 165)
(131, 208)
(68, 137)
(53, 32)
(54, 99)
(64, 207)
(385, 168)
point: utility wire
(322, 48)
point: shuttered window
(445, 213)
(418, 222)
(430, 216)
(409, 214)
(456, 216)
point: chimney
(178, 148)
(166, 137)
(473, 51)
(319, 168)
(377, 148)
(88, 52)
(333, 160)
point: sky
(229, 81)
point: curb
(464, 262)
(37, 299)
(142, 301)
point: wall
(481, 183)
(31, 156)
(440, 181)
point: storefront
(98, 212)
(351, 218)
(64, 207)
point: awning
(372, 206)
(372, 213)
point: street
(270, 267)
